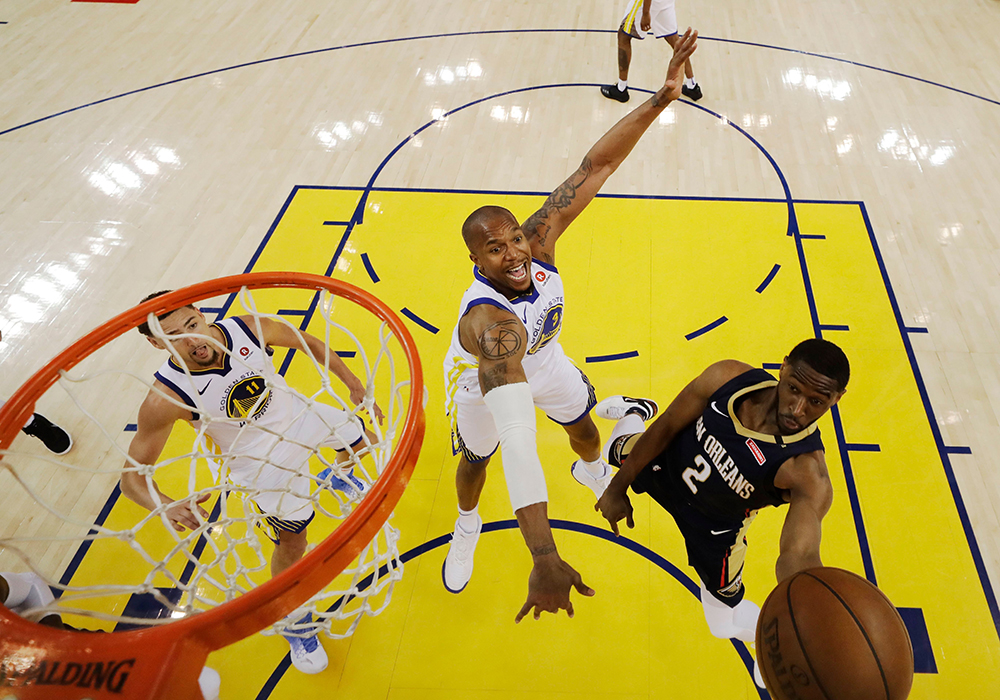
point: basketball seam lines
(871, 647)
(805, 654)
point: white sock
(468, 520)
(690, 82)
(623, 85)
(745, 618)
(719, 616)
(596, 469)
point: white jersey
(540, 310)
(237, 393)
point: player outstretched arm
(283, 335)
(810, 495)
(614, 505)
(499, 340)
(157, 416)
(544, 227)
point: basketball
(829, 634)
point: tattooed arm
(497, 337)
(544, 227)
(499, 340)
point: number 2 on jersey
(691, 474)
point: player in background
(643, 17)
(505, 359)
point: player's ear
(155, 342)
(474, 259)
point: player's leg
(626, 30)
(476, 439)
(290, 547)
(290, 540)
(563, 391)
(349, 438)
(630, 416)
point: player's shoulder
(805, 472)
(720, 373)
(479, 317)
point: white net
(271, 445)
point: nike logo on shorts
(720, 532)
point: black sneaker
(52, 436)
(613, 93)
(693, 94)
(617, 407)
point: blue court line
(963, 515)
(862, 447)
(346, 353)
(616, 356)
(702, 331)
(693, 588)
(487, 32)
(853, 496)
(915, 329)
(771, 365)
(958, 450)
(813, 237)
(369, 268)
(336, 223)
(291, 312)
(84, 547)
(833, 327)
(417, 320)
(767, 280)
(130, 427)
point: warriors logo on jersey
(547, 327)
(247, 398)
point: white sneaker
(595, 484)
(617, 407)
(457, 568)
(308, 655)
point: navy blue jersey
(723, 469)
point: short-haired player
(505, 360)
(229, 386)
(734, 440)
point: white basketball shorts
(663, 19)
(559, 388)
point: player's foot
(308, 655)
(597, 484)
(57, 440)
(347, 483)
(613, 93)
(617, 407)
(457, 568)
(692, 93)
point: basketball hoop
(163, 662)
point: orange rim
(24, 642)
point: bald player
(505, 359)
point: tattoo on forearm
(536, 226)
(494, 376)
(543, 550)
(501, 340)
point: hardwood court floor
(154, 145)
